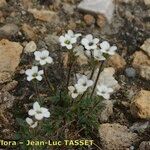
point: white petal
(29, 121)
(89, 37)
(90, 83)
(105, 45)
(39, 78)
(106, 96)
(39, 116)
(78, 35)
(41, 72)
(45, 112)
(31, 112)
(42, 62)
(71, 89)
(36, 106)
(96, 40)
(61, 39)
(69, 46)
(70, 33)
(34, 125)
(74, 95)
(45, 53)
(73, 40)
(49, 60)
(35, 69)
(28, 72)
(29, 78)
(37, 55)
(84, 41)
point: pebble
(146, 46)
(89, 19)
(130, 72)
(101, 21)
(30, 47)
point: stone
(6, 100)
(103, 7)
(116, 136)
(1, 17)
(142, 63)
(89, 19)
(140, 105)
(145, 72)
(107, 78)
(130, 72)
(145, 145)
(27, 4)
(9, 58)
(44, 15)
(69, 9)
(10, 86)
(147, 2)
(107, 111)
(101, 21)
(140, 127)
(146, 46)
(29, 32)
(8, 30)
(3, 3)
(30, 47)
(117, 62)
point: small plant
(74, 107)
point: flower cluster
(83, 83)
(38, 113)
(43, 58)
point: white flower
(83, 83)
(89, 42)
(68, 40)
(104, 91)
(31, 122)
(73, 92)
(43, 57)
(33, 73)
(39, 112)
(106, 48)
(98, 55)
(72, 35)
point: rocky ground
(27, 25)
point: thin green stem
(99, 71)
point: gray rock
(69, 9)
(107, 111)
(8, 30)
(130, 72)
(98, 7)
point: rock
(6, 100)
(140, 126)
(9, 58)
(44, 15)
(107, 78)
(146, 46)
(101, 21)
(8, 30)
(27, 4)
(30, 47)
(145, 145)
(107, 111)
(1, 17)
(69, 9)
(116, 137)
(89, 19)
(140, 105)
(145, 72)
(117, 62)
(130, 72)
(3, 3)
(81, 57)
(142, 63)
(52, 41)
(29, 32)
(140, 59)
(147, 2)
(10, 86)
(103, 7)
